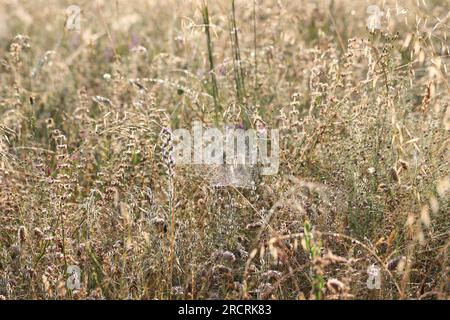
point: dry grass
(85, 178)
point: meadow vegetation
(86, 176)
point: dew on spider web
(232, 175)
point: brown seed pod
(335, 286)
(393, 263)
(38, 233)
(22, 234)
(253, 226)
(160, 225)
